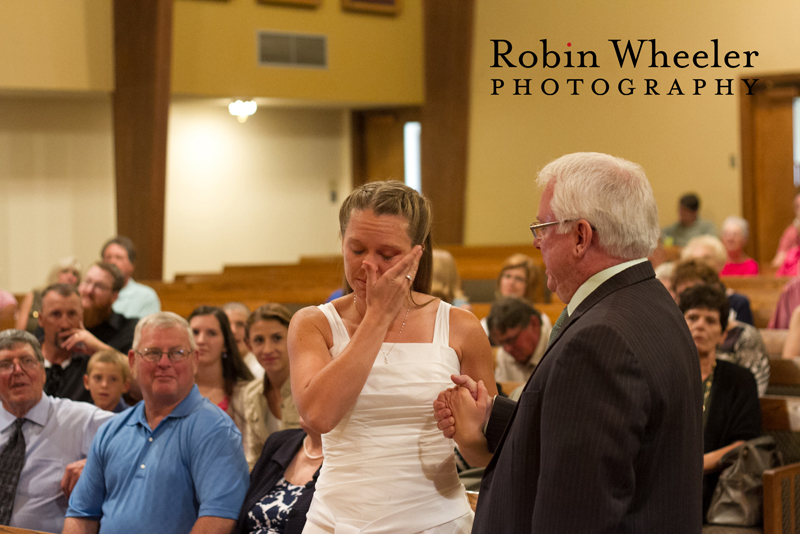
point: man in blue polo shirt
(174, 463)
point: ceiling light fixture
(242, 110)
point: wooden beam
(142, 56)
(445, 116)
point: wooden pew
(780, 416)
(774, 340)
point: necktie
(557, 327)
(11, 460)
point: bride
(366, 368)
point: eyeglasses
(27, 364)
(536, 227)
(91, 284)
(509, 340)
(537, 234)
(154, 355)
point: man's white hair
(162, 320)
(612, 194)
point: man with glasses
(522, 334)
(98, 290)
(173, 463)
(608, 432)
(42, 439)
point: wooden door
(378, 144)
(767, 162)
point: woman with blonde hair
(65, 271)
(366, 368)
(446, 283)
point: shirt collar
(184, 408)
(38, 414)
(596, 280)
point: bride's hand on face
(386, 292)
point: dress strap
(441, 330)
(338, 329)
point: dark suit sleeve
(594, 409)
(502, 410)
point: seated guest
(65, 343)
(522, 334)
(8, 308)
(99, 290)
(237, 315)
(731, 411)
(134, 300)
(712, 251)
(282, 483)
(689, 225)
(742, 343)
(221, 373)
(174, 462)
(268, 402)
(790, 238)
(735, 231)
(664, 274)
(108, 378)
(446, 283)
(66, 271)
(788, 301)
(519, 277)
(43, 439)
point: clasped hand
(461, 412)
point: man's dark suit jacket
(607, 436)
(277, 454)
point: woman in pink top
(735, 231)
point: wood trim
(445, 116)
(379, 7)
(142, 57)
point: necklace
(386, 354)
(305, 450)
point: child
(107, 378)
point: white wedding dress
(387, 467)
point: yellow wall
(56, 44)
(56, 184)
(258, 192)
(683, 142)
(373, 59)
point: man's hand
(470, 415)
(441, 406)
(81, 341)
(71, 475)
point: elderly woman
(66, 271)
(220, 370)
(710, 250)
(268, 403)
(735, 231)
(731, 410)
(282, 483)
(366, 368)
(742, 343)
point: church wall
(685, 143)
